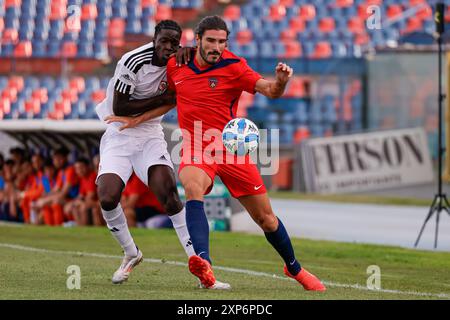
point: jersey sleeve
(170, 69)
(125, 79)
(248, 78)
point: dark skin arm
(123, 106)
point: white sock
(179, 224)
(117, 224)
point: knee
(108, 200)
(171, 202)
(267, 221)
(194, 190)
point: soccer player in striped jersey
(139, 84)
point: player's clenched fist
(283, 72)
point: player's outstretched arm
(123, 106)
(131, 122)
(275, 89)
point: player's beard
(204, 55)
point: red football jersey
(210, 94)
(87, 184)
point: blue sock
(198, 228)
(279, 239)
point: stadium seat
(356, 25)
(232, 12)
(297, 24)
(288, 35)
(23, 49)
(69, 49)
(16, 82)
(394, 10)
(41, 94)
(10, 36)
(322, 50)
(327, 24)
(89, 11)
(293, 50)
(308, 12)
(277, 12)
(344, 3)
(413, 24)
(163, 12)
(244, 36)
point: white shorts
(122, 154)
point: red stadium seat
(5, 105)
(70, 94)
(77, 83)
(356, 25)
(425, 13)
(62, 106)
(288, 35)
(57, 11)
(293, 50)
(232, 12)
(41, 94)
(163, 12)
(2, 24)
(286, 3)
(413, 24)
(89, 11)
(374, 2)
(277, 12)
(394, 10)
(362, 11)
(297, 24)
(187, 37)
(98, 95)
(447, 14)
(414, 3)
(344, 3)
(244, 36)
(322, 50)
(148, 3)
(327, 24)
(301, 133)
(10, 36)
(10, 94)
(308, 12)
(13, 3)
(33, 106)
(361, 39)
(116, 28)
(69, 49)
(296, 88)
(24, 49)
(16, 82)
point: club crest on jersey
(213, 82)
(162, 86)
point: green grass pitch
(34, 262)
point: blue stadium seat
(195, 4)
(93, 83)
(53, 48)
(249, 50)
(32, 82)
(104, 81)
(133, 26)
(286, 133)
(104, 11)
(47, 82)
(100, 50)
(7, 50)
(180, 4)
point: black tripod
(440, 201)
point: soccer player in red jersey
(208, 90)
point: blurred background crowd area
(56, 187)
(360, 65)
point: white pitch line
(234, 270)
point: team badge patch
(162, 86)
(213, 83)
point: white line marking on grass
(227, 269)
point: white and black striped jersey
(137, 76)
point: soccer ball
(240, 136)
